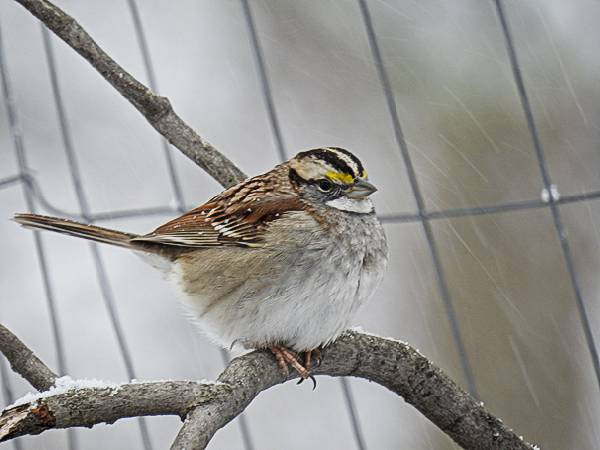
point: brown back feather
(238, 216)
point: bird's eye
(325, 185)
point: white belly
(302, 299)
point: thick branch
(390, 363)
(209, 407)
(24, 362)
(88, 406)
(157, 110)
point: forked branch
(209, 406)
(24, 362)
(156, 109)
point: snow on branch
(79, 403)
(156, 109)
(208, 406)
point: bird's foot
(309, 355)
(286, 357)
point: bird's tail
(78, 229)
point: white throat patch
(361, 206)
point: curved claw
(312, 378)
(309, 355)
(286, 357)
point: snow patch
(360, 330)
(206, 382)
(66, 384)
(63, 385)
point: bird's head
(333, 176)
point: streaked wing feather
(193, 229)
(236, 217)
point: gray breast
(301, 288)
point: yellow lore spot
(339, 176)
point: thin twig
(156, 109)
(24, 362)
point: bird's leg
(283, 367)
(285, 356)
(309, 354)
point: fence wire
(418, 196)
(20, 153)
(267, 92)
(173, 175)
(33, 195)
(101, 273)
(543, 165)
(167, 210)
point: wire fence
(34, 198)
(38, 239)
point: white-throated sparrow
(281, 261)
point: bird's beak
(360, 189)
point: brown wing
(238, 216)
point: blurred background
(507, 327)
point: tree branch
(74, 406)
(210, 406)
(24, 362)
(156, 109)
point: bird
(281, 261)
